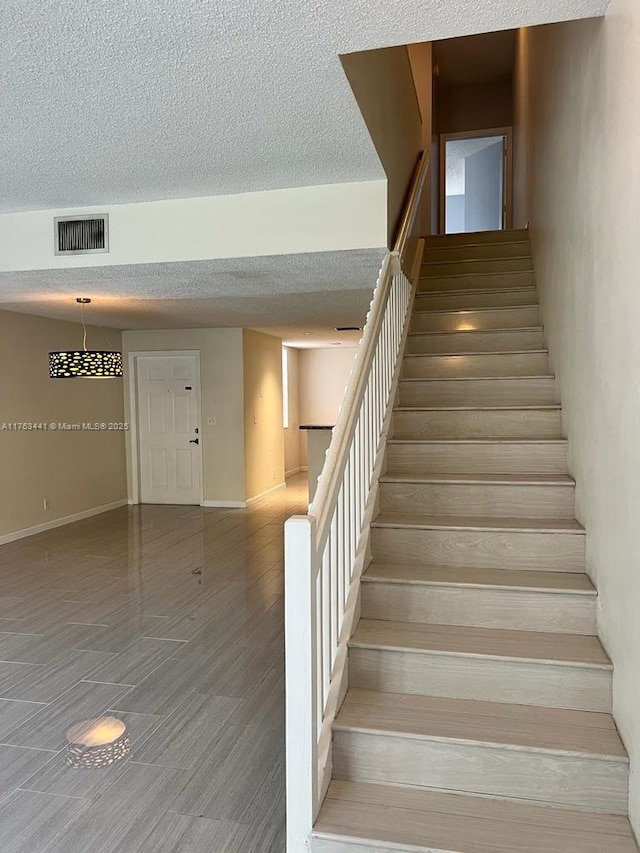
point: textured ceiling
(133, 101)
(299, 298)
(138, 100)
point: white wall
(578, 120)
(221, 369)
(322, 378)
(78, 471)
(277, 222)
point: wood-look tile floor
(171, 618)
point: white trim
(60, 522)
(134, 447)
(304, 468)
(292, 472)
(266, 492)
(225, 504)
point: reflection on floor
(171, 618)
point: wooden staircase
(478, 713)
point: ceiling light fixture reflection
(99, 742)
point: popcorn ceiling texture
(125, 101)
(330, 288)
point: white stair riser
(483, 458)
(457, 342)
(477, 281)
(579, 688)
(582, 782)
(481, 549)
(334, 845)
(478, 365)
(496, 501)
(478, 424)
(536, 391)
(432, 268)
(523, 296)
(477, 238)
(555, 612)
(516, 249)
(469, 321)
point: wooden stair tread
(546, 407)
(556, 730)
(464, 311)
(476, 378)
(463, 522)
(538, 581)
(426, 821)
(479, 441)
(482, 479)
(497, 643)
(472, 332)
(475, 353)
(426, 263)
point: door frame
(134, 441)
(507, 132)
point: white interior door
(168, 429)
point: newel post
(301, 682)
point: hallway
(171, 618)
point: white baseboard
(60, 522)
(225, 504)
(266, 492)
(304, 468)
(292, 472)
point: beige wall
(222, 398)
(76, 470)
(382, 82)
(322, 379)
(263, 433)
(479, 106)
(292, 461)
(521, 130)
(421, 59)
(581, 126)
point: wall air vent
(81, 235)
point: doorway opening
(475, 181)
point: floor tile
(189, 732)
(172, 619)
(46, 683)
(124, 815)
(233, 780)
(18, 764)
(135, 663)
(12, 713)
(30, 822)
(176, 833)
(47, 728)
(55, 777)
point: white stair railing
(325, 550)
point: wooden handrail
(411, 207)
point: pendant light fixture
(85, 363)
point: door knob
(194, 441)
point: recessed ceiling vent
(81, 235)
